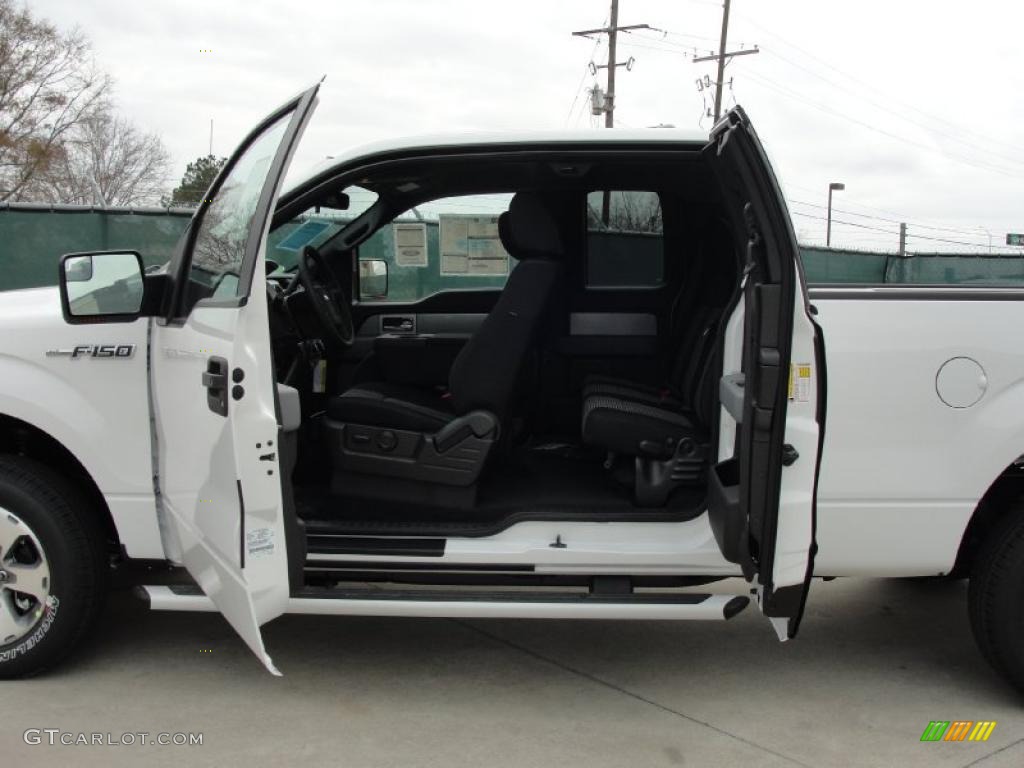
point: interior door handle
(215, 380)
(397, 323)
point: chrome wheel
(24, 579)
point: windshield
(315, 227)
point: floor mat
(552, 481)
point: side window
(219, 246)
(625, 241)
(443, 245)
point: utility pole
(612, 30)
(903, 239)
(721, 60)
(211, 137)
(608, 104)
(613, 34)
(723, 57)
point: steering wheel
(327, 297)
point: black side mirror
(373, 279)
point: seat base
(440, 467)
(358, 485)
(669, 450)
(387, 404)
(635, 429)
(656, 479)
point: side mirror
(373, 279)
(101, 287)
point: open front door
(212, 384)
(762, 491)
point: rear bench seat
(667, 428)
(668, 435)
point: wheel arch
(22, 438)
(995, 504)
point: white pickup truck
(617, 394)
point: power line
(896, 113)
(899, 217)
(631, 44)
(840, 221)
(1006, 248)
(869, 87)
(586, 71)
(978, 164)
(919, 225)
(670, 33)
(1009, 248)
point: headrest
(528, 230)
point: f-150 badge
(95, 350)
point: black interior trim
(473, 530)
(348, 565)
(428, 596)
(323, 540)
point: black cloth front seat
(484, 375)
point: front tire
(995, 597)
(52, 567)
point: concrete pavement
(875, 662)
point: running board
(475, 604)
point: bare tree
(104, 160)
(48, 84)
(628, 212)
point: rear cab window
(625, 240)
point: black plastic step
(334, 544)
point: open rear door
(763, 488)
(213, 390)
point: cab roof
(643, 137)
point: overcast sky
(917, 106)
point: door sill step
(474, 604)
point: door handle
(215, 381)
(397, 324)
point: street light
(835, 186)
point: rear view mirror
(338, 201)
(105, 286)
(373, 279)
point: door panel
(213, 391)
(762, 492)
(416, 348)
